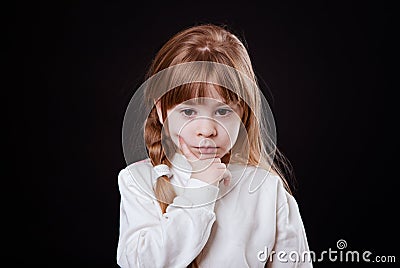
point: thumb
(185, 150)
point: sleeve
(291, 246)
(197, 193)
(149, 238)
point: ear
(159, 111)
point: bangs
(197, 91)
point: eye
(188, 112)
(223, 111)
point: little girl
(210, 192)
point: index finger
(185, 150)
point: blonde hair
(208, 43)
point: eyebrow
(197, 102)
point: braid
(164, 191)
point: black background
(324, 68)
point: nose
(206, 128)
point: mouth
(207, 150)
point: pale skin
(204, 133)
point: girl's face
(210, 128)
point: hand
(207, 168)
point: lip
(207, 149)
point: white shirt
(253, 214)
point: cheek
(172, 122)
(176, 126)
(231, 131)
(180, 127)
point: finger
(209, 156)
(219, 165)
(227, 177)
(185, 150)
(217, 160)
